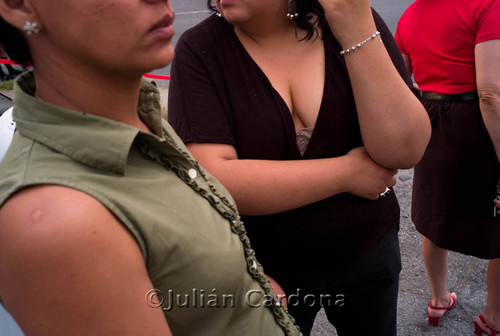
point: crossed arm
(394, 125)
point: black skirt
(455, 182)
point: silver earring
(292, 10)
(31, 27)
(218, 14)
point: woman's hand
(351, 21)
(369, 179)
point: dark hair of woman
(14, 43)
(311, 16)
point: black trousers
(359, 301)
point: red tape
(7, 61)
(157, 76)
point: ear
(18, 12)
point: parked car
(7, 128)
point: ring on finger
(387, 191)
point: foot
(482, 327)
(435, 312)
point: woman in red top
(452, 51)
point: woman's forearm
(262, 187)
(490, 110)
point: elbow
(415, 153)
(489, 98)
(413, 158)
(409, 149)
(417, 144)
(405, 160)
(407, 155)
(418, 147)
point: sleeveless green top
(199, 259)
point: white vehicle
(7, 128)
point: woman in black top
(306, 140)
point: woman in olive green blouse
(108, 226)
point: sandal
(434, 320)
(481, 327)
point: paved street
(5, 102)
(467, 277)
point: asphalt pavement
(5, 102)
(467, 277)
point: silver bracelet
(357, 46)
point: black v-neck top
(218, 94)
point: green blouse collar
(97, 142)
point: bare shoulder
(65, 261)
(45, 214)
(48, 209)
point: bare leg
(436, 265)
(492, 311)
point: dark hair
(311, 17)
(14, 43)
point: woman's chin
(160, 60)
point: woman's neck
(264, 30)
(84, 90)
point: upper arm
(488, 65)
(70, 268)
(210, 155)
